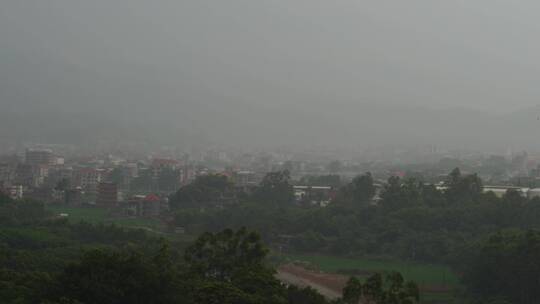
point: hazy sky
(182, 58)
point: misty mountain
(263, 73)
(342, 125)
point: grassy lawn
(422, 274)
(99, 215)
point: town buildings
(107, 195)
(36, 157)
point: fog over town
(269, 152)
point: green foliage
(98, 216)
(275, 189)
(40, 262)
(21, 211)
(226, 267)
(360, 191)
(394, 291)
(304, 295)
(4, 199)
(399, 194)
(463, 189)
(352, 293)
(216, 292)
(423, 273)
(115, 277)
(505, 266)
(220, 255)
(62, 185)
(205, 191)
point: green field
(423, 274)
(100, 215)
(427, 275)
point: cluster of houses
(42, 175)
(108, 182)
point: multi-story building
(107, 194)
(36, 157)
(7, 174)
(160, 164)
(57, 174)
(16, 192)
(27, 175)
(245, 178)
(88, 179)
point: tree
(109, 277)
(215, 292)
(220, 255)
(432, 197)
(391, 193)
(275, 189)
(398, 193)
(463, 189)
(504, 266)
(374, 291)
(62, 185)
(5, 199)
(304, 295)
(205, 191)
(352, 293)
(513, 198)
(399, 292)
(230, 266)
(361, 190)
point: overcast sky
(165, 58)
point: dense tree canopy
(205, 191)
(275, 189)
(463, 189)
(392, 290)
(505, 267)
(360, 191)
(41, 262)
(412, 220)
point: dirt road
(328, 285)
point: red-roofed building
(152, 198)
(151, 205)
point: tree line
(409, 220)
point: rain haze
(269, 151)
(351, 74)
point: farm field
(436, 281)
(99, 215)
(423, 274)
